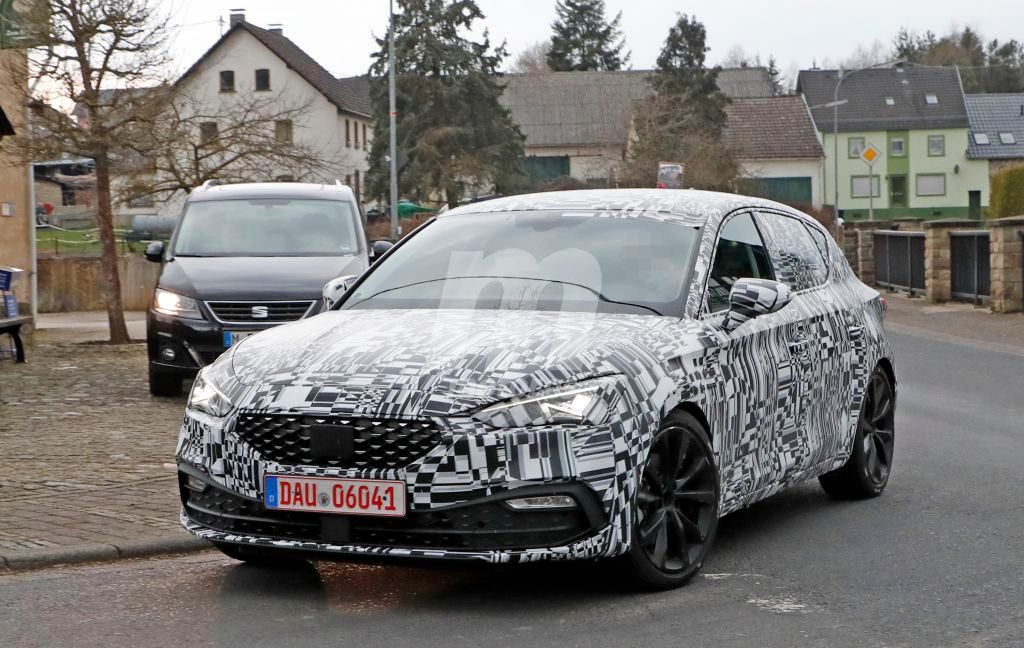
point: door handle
(798, 345)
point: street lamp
(392, 115)
(835, 127)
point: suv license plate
(335, 495)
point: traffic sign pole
(870, 155)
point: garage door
(785, 190)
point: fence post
(910, 271)
(937, 265)
(1006, 254)
(977, 260)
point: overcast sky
(338, 33)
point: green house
(917, 119)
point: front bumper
(454, 493)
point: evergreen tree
(453, 134)
(584, 39)
(681, 74)
(778, 81)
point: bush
(1008, 193)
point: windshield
(536, 260)
(267, 227)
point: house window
(227, 80)
(897, 147)
(1007, 138)
(936, 145)
(67, 196)
(889, 101)
(364, 137)
(262, 80)
(283, 131)
(356, 129)
(207, 133)
(348, 135)
(931, 184)
(980, 138)
(859, 186)
(931, 99)
(854, 145)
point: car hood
(255, 278)
(437, 363)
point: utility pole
(392, 119)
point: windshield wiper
(596, 293)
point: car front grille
(258, 312)
(337, 442)
(485, 526)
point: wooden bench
(12, 326)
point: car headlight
(581, 403)
(170, 303)
(207, 397)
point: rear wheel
(676, 506)
(866, 472)
(258, 556)
(164, 383)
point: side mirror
(750, 298)
(155, 251)
(335, 289)
(379, 249)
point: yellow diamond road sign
(870, 154)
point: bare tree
(533, 59)
(86, 49)
(253, 137)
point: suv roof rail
(338, 185)
(210, 183)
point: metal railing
(899, 260)
(970, 273)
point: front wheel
(866, 472)
(676, 506)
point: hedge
(1008, 193)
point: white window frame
(981, 139)
(937, 138)
(903, 147)
(876, 186)
(1007, 138)
(931, 99)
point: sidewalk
(88, 455)
(956, 322)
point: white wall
(813, 168)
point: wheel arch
(694, 410)
(886, 365)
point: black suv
(244, 258)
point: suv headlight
(170, 303)
(207, 397)
(581, 403)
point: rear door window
(796, 256)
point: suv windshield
(267, 227)
(536, 260)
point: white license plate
(334, 495)
(232, 338)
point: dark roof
(5, 125)
(111, 96)
(771, 127)
(866, 92)
(348, 96)
(993, 114)
(595, 108)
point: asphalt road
(938, 560)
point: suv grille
(255, 312)
(337, 442)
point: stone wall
(75, 283)
(938, 272)
(1006, 247)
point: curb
(98, 552)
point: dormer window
(1007, 138)
(931, 99)
(889, 101)
(980, 138)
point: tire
(866, 472)
(258, 556)
(164, 383)
(674, 528)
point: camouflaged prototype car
(595, 374)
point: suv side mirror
(750, 298)
(155, 251)
(335, 289)
(379, 249)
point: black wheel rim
(677, 505)
(877, 430)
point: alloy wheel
(677, 504)
(877, 430)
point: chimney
(276, 29)
(237, 16)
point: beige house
(16, 214)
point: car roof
(690, 206)
(245, 190)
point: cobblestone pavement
(87, 452)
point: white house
(249, 61)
